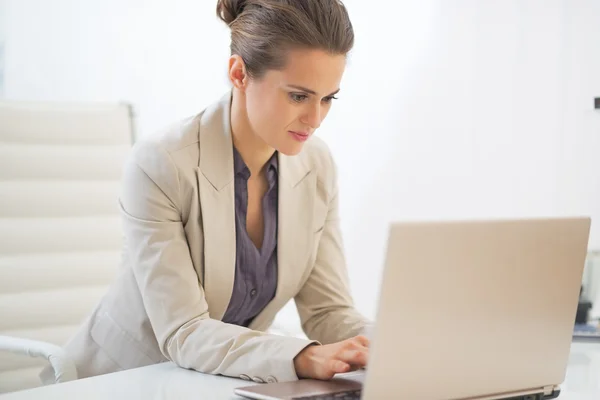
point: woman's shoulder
(168, 157)
(180, 136)
(176, 143)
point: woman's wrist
(303, 361)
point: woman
(230, 214)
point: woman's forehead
(315, 70)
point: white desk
(167, 381)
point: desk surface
(167, 381)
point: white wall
(167, 58)
(490, 117)
(449, 109)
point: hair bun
(229, 10)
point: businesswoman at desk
(231, 213)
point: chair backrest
(60, 236)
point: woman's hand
(323, 362)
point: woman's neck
(254, 151)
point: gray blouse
(255, 270)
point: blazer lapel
(217, 202)
(297, 194)
(297, 191)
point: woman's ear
(237, 72)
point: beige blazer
(178, 261)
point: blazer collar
(216, 150)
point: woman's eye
(298, 98)
(329, 99)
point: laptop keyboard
(355, 395)
(349, 395)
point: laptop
(475, 310)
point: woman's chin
(292, 149)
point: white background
(450, 109)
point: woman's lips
(299, 136)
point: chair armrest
(64, 368)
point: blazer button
(253, 292)
(245, 377)
(257, 379)
(271, 379)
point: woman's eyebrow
(309, 91)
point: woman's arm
(158, 252)
(324, 303)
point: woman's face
(286, 107)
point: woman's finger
(339, 367)
(354, 357)
(362, 340)
(359, 347)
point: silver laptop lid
(476, 309)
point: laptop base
(355, 395)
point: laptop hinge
(548, 390)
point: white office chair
(60, 236)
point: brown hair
(262, 30)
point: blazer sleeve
(158, 253)
(324, 302)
